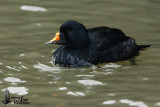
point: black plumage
(81, 46)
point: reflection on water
(157, 104)
(13, 79)
(62, 88)
(126, 101)
(13, 68)
(76, 93)
(133, 103)
(43, 67)
(109, 102)
(25, 67)
(90, 82)
(33, 8)
(17, 90)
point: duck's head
(72, 34)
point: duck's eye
(73, 30)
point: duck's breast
(64, 56)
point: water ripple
(22, 55)
(133, 103)
(13, 68)
(17, 90)
(90, 82)
(85, 75)
(76, 93)
(111, 65)
(157, 104)
(33, 8)
(109, 102)
(44, 68)
(13, 79)
(62, 88)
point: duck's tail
(143, 47)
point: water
(25, 61)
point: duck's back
(110, 45)
(106, 37)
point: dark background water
(25, 61)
